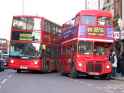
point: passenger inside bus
(104, 21)
(85, 47)
(99, 50)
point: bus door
(45, 67)
(44, 58)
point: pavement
(119, 77)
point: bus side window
(101, 21)
(104, 21)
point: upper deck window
(22, 23)
(104, 21)
(37, 24)
(88, 20)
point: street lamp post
(99, 4)
(23, 6)
(85, 4)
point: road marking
(89, 85)
(109, 91)
(100, 88)
(3, 81)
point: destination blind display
(25, 36)
(33, 36)
(97, 31)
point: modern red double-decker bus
(32, 44)
(85, 44)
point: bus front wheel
(107, 76)
(18, 70)
(73, 73)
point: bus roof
(97, 13)
(31, 16)
(28, 16)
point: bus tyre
(18, 70)
(74, 73)
(1, 69)
(107, 76)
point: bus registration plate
(23, 67)
(93, 73)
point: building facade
(3, 45)
(108, 5)
(114, 6)
(117, 9)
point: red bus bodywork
(31, 42)
(91, 31)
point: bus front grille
(94, 67)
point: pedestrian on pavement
(122, 64)
(113, 60)
(118, 64)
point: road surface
(12, 82)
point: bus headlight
(35, 62)
(80, 64)
(107, 66)
(11, 61)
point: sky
(58, 11)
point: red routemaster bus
(32, 44)
(86, 42)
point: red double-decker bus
(86, 42)
(32, 44)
